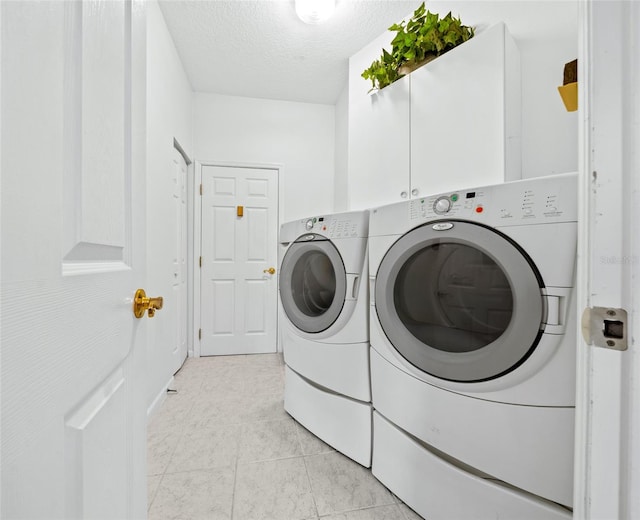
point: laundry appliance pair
(473, 338)
(472, 334)
(324, 329)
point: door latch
(605, 327)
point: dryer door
(460, 301)
(313, 283)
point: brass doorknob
(142, 303)
(271, 270)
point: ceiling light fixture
(314, 11)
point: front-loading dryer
(324, 313)
(473, 348)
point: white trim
(178, 146)
(191, 203)
(196, 249)
(607, 459)
(583, 355)
(89, 267)
(196, 246)
(159, 399)
(631, 428)
(189, 314)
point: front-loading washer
(324, 313)
(473, 348)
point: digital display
(320, 219)
(471, 194)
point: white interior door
(239, 246)
(179, 279)
(73, 254)
(167, 265)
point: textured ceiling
(259, 48)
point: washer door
(313, 283)
(460, 301)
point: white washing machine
(473, 349)
(324, 317)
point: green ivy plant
(422, 38)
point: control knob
(309, 224)
(442, 205)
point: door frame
(189, 281)
(607, 451)
(195, 247)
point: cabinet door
(378, 135)
(465, 116)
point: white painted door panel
(238, 298)
(73, 254)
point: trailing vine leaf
(422, 37)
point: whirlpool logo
(442, 226)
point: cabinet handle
(415, 191)
(403, 194)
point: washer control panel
(514, 203)
(457, 204)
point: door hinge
(200, 188)
(200, 262)
(605, 327)
(200, 334)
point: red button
(479, 209)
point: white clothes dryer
(324, 313)
(473, 348)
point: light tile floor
(223, 447)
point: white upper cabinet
(452, 124)
(379, 140)
(465, 115)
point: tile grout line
(235, 485)
(306, 469)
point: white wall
(341, 184)
(298, 136)
(169, 116)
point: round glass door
(462, 304)
(313, 284)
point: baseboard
(157, 402)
